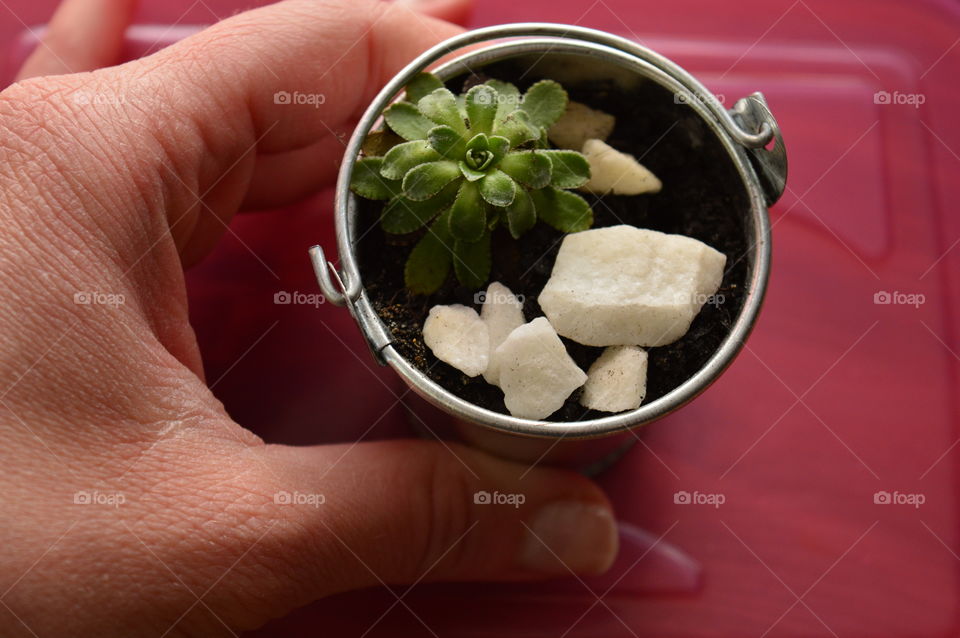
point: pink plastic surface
(835, 399)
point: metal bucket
(745, 131)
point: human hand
(110, 180)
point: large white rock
(616, 172)
(626, 286)
(578, 124)
(458, 336)
(503, 313)
(536, 373)
(617, 380)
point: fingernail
(569, 537)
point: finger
(285, 178)
(83, 35)
(213, 104)
(248, 72)
(455, 11)
(408, 511)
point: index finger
(334, 55)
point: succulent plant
(464, 165)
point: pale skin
(103, 196)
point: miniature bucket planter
(747, 132)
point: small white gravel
(456, 335)
(616, 172)
(578, 124)
(626, 286)
(617, 380)
(536, 373)
(503, 313)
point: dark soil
(703, 197)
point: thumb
(83, 35)
(455, 11)
(403, 512)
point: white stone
(617, 380)
(503, 313)
(536, 373)
(616, 172)
(578, 124)
(456, 335)
(626, 286)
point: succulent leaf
(565, 211)
(471, 174)
(368, 182)
(499, 146)
(545, 101)
(426, 180)
(517, 128)
(498, 189)
(377, 143)
(441, 107)
(421, 85)
(402, 215)
(481, 104)
(521, 215)
(447, 142)
(508, 98)
(407, 122)
(478, 142)
(530, 168)
(429, 262)
(570, 169)
(471, 261)
(402, 157)
(468, 216)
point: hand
(110, 179)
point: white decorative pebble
(617, 380)
(626, 286)
(578, 124)
(458, 336)
(502, 312)
(613, 171)
(536, 373)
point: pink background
(834, 399)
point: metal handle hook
(770, 165)
(334, 293)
